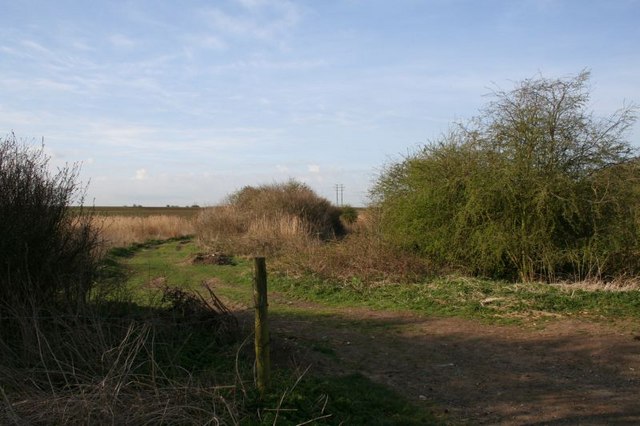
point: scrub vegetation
(269, 218)
(135, 335)
(523, 216)
(535, 188)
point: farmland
(140, 211)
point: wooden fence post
(262, 346)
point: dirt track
(569, 372)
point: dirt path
(569, 372)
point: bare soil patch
(213, 259)
(560, 372)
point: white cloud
(282, 169)
(32, 45)
(313, 168)
(141, 174)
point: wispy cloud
(207, 96)
(263, 20)
(122, 41)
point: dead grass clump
(617, 284)
(120, 231)
(213, 259)
(108, 367)
(109, 403)
(192, 307)
(231, 229)
(361, 256)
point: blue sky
(180, 102)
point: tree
(535, 187)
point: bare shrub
(361, 256)
(46, 249)
(268, 219)
(291, 199)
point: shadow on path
(568, 373)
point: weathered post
(263, 359)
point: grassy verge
(352, 399)
(492, 301)
(448, 296)
(293, 399)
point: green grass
(470, 298)
(351, 399)
(150, 265)
(348, 400)
(449, 296)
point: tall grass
(299, 231)
(361, 255)
(120, 231)
(228, 228)
(116, 364)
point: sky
(184, 102)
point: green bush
(534, 188)
(349, 214)
(46, 250)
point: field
(450, 350)
(139, 211)
(358, 335)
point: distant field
(186, 212)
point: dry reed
(118, 231)
(102, 369)
(229, 228)
(360, 256)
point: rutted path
(569, 372)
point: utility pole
(339, 194)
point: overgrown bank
(535, 188)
